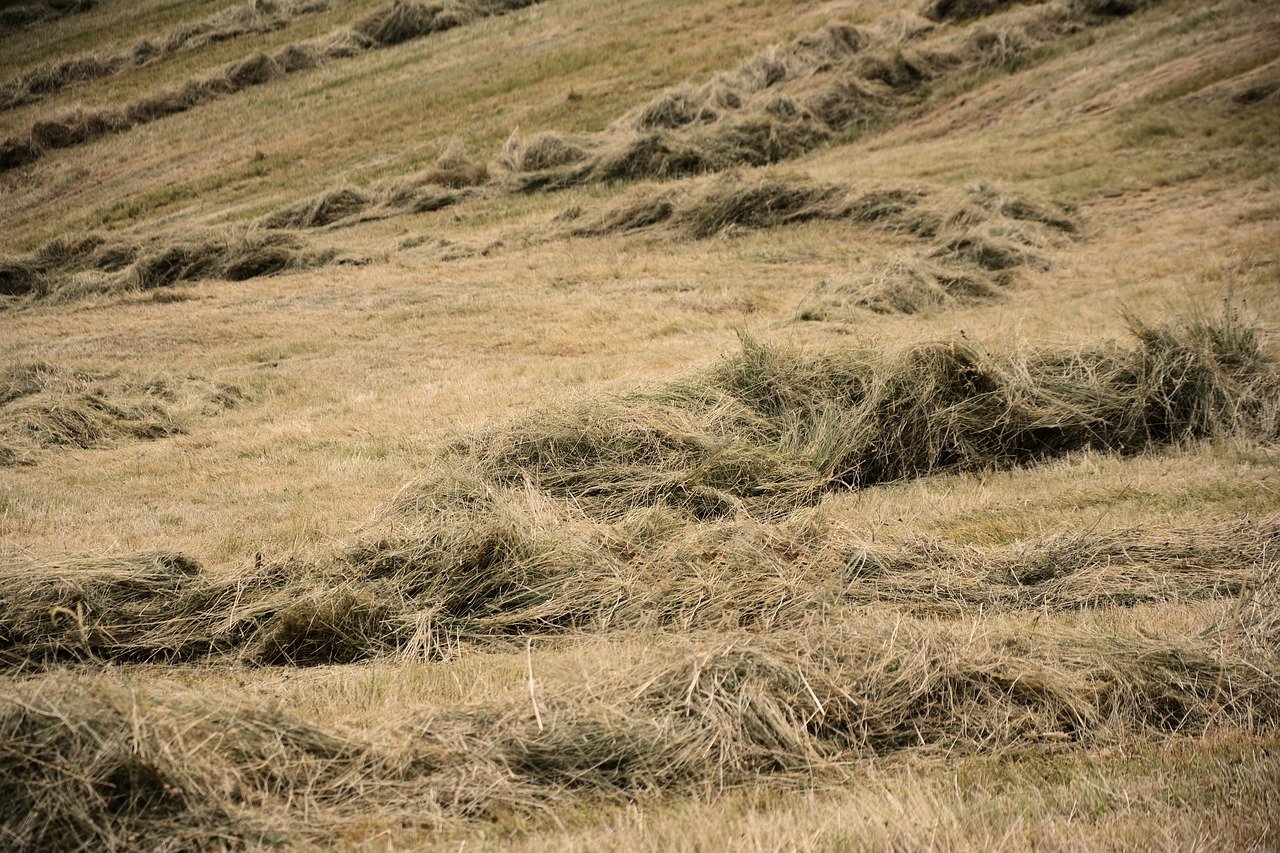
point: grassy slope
(355, 373)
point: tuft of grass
(43, 406)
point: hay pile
(387, 27)
(70, 268)
(453, 179)
(50, 78)
(979, 245)
(95, 762)
(979, 241)
(44, 406)
(418, 583)
(793, 97)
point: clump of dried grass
(70, 268)
(96, 762)
(767, 430)
(17, 15)
(43, 406)
(323, 209)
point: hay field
(696, 424)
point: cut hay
(392, 25)
(250, 18)
(66, 269)
(900, 284)
(91, 762)
(324, 209)
(44, 407)
(685, 505)
(767, 431)
(15, 16)
(793, 97)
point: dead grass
(18, 15)
(50, 78)
(71, 268)
(794, 97)
(100, 762)
(398, 22)
(43, 406)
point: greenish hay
(792, 98)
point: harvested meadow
(555, 424)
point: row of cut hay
(732, 202)
(15, 16)
(44, 406)
(95, 762)
(421, 580)
(851, 77)
(50, 78)
(448, 182)
(980, 240)
(69, 268)
(392, 25)
(793, 97)
(599, 513)
(765, 432)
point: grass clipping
(94, 762)
(46, 407)
(697, 504)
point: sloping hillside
(694, 424)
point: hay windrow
(50, 78)
(980, 241)
(94, 761)
(768, 430)
(394, 24)
(793, 97)
(453, 179)
(71, 268)
(47, 407)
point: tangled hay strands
(93, 762)
(515, 570)
(70, 268)
(43, 406)
(453, 179)
(50, 78)
(601, 514)
(793, 97)
(981, 239)
(392, 25)
(767, 431)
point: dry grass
(43, 406)
(100, 762)
(71, 268)
(793, 97)
(399, 22)
(17, 15)
(996, 576)
(50, 78)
